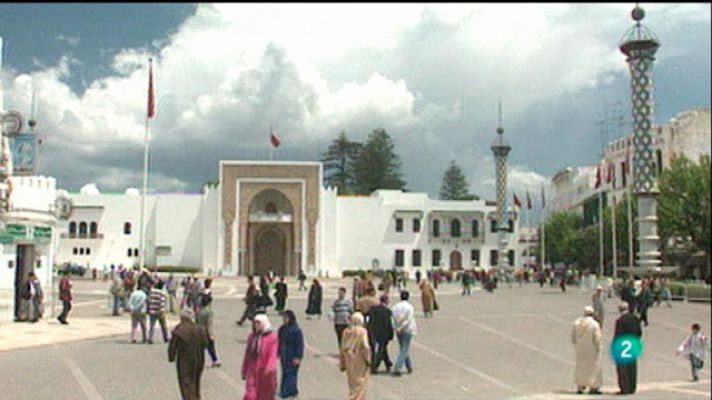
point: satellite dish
(11, 123)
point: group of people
(587, 339)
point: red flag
(529, 200)
(151, 99)
(516, 200)
(274, 139)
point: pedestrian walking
(627, 324)
(427, 297)
(341, 311)
(137, 307)
(406, 329)
(586, 337)
(598, 300)
(117, 294)
(314, 299)
(264, 290)
(280, 294)
(259, 365)
(157, 311)
(251, 299)
(187, 350)
(418, 276)
(644, 301)
(302, 279)
(205, 318)
(65, 295)
(694, 348)
(355, 357)
(172, 290)
(665, 293)
(466, 284)
(291, 353)
(35, 298)
(380, 333)
(129, 284)
(367, 301)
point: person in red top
(65, 295)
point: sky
(430, 75)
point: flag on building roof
(517, 202)
(274, 139)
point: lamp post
(501, 149)
(639, 44)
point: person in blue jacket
(291, 353)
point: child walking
(695, 347)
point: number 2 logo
(627, 345)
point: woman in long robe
(355, 357)
(315, 298)
(291, 352)
(427, 296)
(259, 367)
(586, 337)
(187, 349)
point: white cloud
(431, 75)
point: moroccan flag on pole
(151, 98)
(516, 200)
(529, 201)
(274, 139)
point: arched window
(81, 251)
(75, 251)
(135, 252)
(129, 253)
(436, 228)
(270, 208)
(475, 228)
(72, 228)
(88, 252)
(93, 227)
(127, 228)
(455, 228)
(82, 228)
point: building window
(75, 251)
(493, 226)
(623, 173)
(72, 228)
(88, 251)
(127, 228)
(510, 257)
(129, 253)
(436, 228)
(136, 252)
(436, 258)
(475, 228)
(455, 228)
(493, 257)
(659, 157)
(475, 257)
(510, 226)
(81, 251)
(82, 228)
(416, 258)
(400, 258)
(399, 224)
(416, 224)
(93, 227)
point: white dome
(90, 189)
(132, 192)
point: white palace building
(277, 216)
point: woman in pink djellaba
(259, 367)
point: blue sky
(431, 75)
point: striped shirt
(342, 311)
(156, 302)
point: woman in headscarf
(259, 366)
(315, 297)
(427, 295)
(355, 357)
(291, 352)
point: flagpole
(613, 235)
(142, 223)
(630, 212)
(543, 237)
(600, 228)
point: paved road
(511, 344)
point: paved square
(514, 343)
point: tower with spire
(639, 44)
(500, 149)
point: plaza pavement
(515, 343)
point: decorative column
(639, 44)
(501, 149)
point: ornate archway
(271, 234)
(455, 260)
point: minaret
(501, 149)
(639, 44)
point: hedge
(695, 291)
(189, 270)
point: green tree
(684, 206)
(377, 166)
(339, 163)
(563, 236)
(455, 186)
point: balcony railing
(82, 236)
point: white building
(27, 240)
(277, 216)
(688, 134)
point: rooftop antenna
(33, 109)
